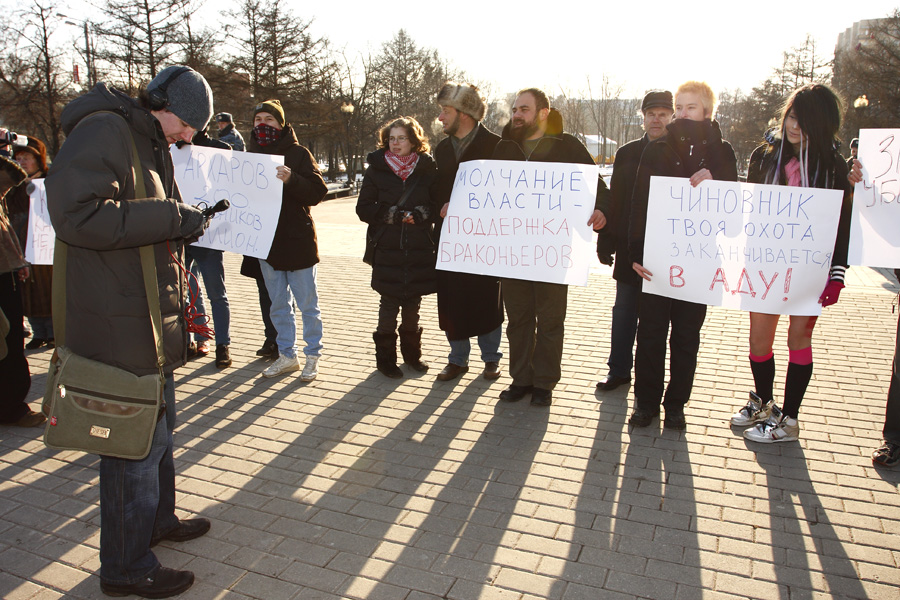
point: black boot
(411, 348)
(386, 354)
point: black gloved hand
(193, 223)
(605, 259)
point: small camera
(11, 138)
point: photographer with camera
(96, 210)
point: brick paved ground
(357, 486)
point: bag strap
(148, 266)
(407, 193)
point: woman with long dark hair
(802, 151)
(397, 203)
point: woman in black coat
(802, 152)
(396, 201)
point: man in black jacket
(468, 305)
(658, 109)
(536, 310)
(692, 148)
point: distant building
(594, 144)
(856, 35)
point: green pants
(536, 315)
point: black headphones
(158, 98)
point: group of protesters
(98, 210)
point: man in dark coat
(227, 132)
(536, 310)
(658, 110)
(692, 148)
(468, 305)
(94, 209)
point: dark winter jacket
(92, 206)
(468, 304)
(763, 160)
(294, 246)
(613, 239)
(555, 146)
(687, 147)
(403, 265)
(36, 290)
(232, 137)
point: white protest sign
(875, 226)
(207, 175)
(41, 237)
(754, 247)
(522, 220)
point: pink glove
(832, 292)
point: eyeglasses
(399, 139)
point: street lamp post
(347, 109)
(88, 51)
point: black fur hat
(463, 97)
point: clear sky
(559, 44)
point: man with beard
(536, 310)
(468, 305)
(658, 110)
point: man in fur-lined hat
(536, 310)
(468, 305)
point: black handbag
(94, 407)
(372, 240)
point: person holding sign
(692, 148)
(396, 201)
(468, 304)
(801, 152)
(37, 287)
(536, 310)
(290, 268)
(658, 110)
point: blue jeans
(489, 343)
(210, 264)
(137, 501)
(302, 284)
(624, 329)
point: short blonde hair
(702, 89)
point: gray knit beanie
(190, 97)
(464, 98)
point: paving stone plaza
(359, 486)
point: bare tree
(140, 36)
(867, 75)
(33, 86)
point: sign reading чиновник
(522, 220)
(247, 180)
(753, 247)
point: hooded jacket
(294, 246)
(468, 304)
(554, 146)
(687, 147)
(404, 259)
(93, 208)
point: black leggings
(390, 306)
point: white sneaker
(311, 369)
(777, 428)
(282, 365)
(756, 411)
